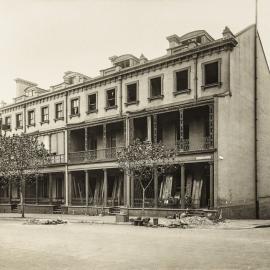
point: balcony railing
(94, 155)
(56, 159)
(187, 145)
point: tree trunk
(143, 201)
(22, 197)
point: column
(50, 188)
(36, 189)
(211, 182)
(131, 191)
(105, 186)
(155, 188)
(66, 186)
(149, 128)
(104, 140)
(69, 188)
(85, 139)
(181, 129)
(183, 193)
(211, 126)
(10, 191)
(127, 190)
(125, 132)
(131, 130)
(155, 128)
(86, 187)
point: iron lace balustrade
(94, 155)
(188, 145)
(57, 159)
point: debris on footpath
(35, 221)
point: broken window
(182, 80)
(211, 73)
(155, 87)
(111, 101)
(92, 102)
(131, 92)
(75, 106)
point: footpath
(111, 220)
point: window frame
(5, 123)
(78, 113)
(217, 84)
(56, 118)
(107, 107)
(127, 103)
(28, 118)
(161, 96)
(43, 121)
(16, 122)
(184, 91)
(96, 109)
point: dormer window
(71, 80)
(124, 64)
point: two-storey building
(202, 98)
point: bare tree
(21, 158)
(143, 160)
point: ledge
(132, 103)
(156, 97)
(44, 122)
(74, 115)
(111, 107)
(185, 91)
(203, 87)
(33, 125)
(58, 119)
(92, 111)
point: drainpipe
(195, 57)
(121, 96)
(24, 118)
(256, 115)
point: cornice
(152, 65)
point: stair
(114, 210)
(14, 208)
(57, 209)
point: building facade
(201, 98)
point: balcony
(186, 145)
(94, 155)
(57, 159)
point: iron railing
(94, 155)
(191, 145)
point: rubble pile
(35, 221)
(197, 221)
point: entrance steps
(14, 208)
(114, 210)
(57, 209)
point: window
(211, 73)
(182, 80)
(111, 98)
(156, 87)
(124, 64)
(31, 118)
(44, 114)
(19, 122)
(92, 103)
(8, 122)
(75, 106)
(59, 111)
(132, 93)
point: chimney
(22, 85)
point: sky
(41, 39)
